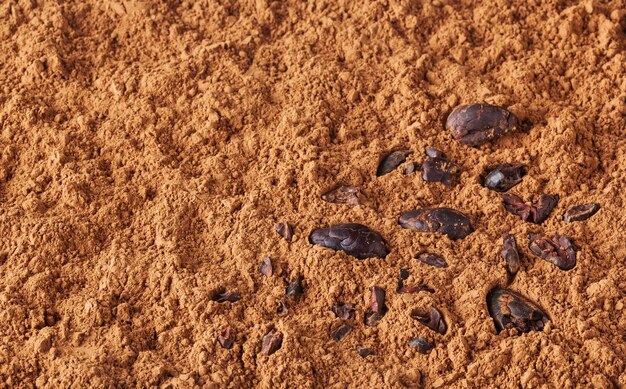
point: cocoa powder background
(148, 148)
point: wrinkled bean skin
(443, 220)
(581, 212)
(355, 239)
(510, 254)
(391, 162)
(556, 249)
(510, 309)
(475, 124)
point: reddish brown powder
(147, 150)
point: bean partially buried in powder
(431, 319)
(436, 168)
(266, 267)
(410, 168)
(556, 249)
(581, 212)
(343, 311)
(341, 332)
(475, 124)
(377, 308)
(536, 213)
(504, 177)
(356, 240)
(391, 161)
(402, 276)
(422, 345)
(271, 342)
(222, 296)
(510, 254)
(295, 290)
(432, 259)
(510, 309)
(285, 230)
(365, 352)
(226, 338)
(343, 194)
(443, 220)
(282, 309)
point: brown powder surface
(148, 149)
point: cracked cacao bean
(504, 177)
(475, 124)
(354, 239)
(443, 220)
(510, 309)
(391, 161)
(556, 249)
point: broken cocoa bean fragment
(408, 289)
(222, 296)
(391, 161)
(343, 311)
(377, 308)
(504, 177)
(283, 308)
(354, 239)
(226, 338)
(402, 276)
(271, 342)
(295, 289)
(443, 220)
(410, 168)
(365, 352)
(285, 230)
(423, 345)
(510, 310)
(341, 332)
(510, 254)
(475, 124)
(556, 249)
(580, 212)
(436, 168)
(343, 194)
(536, 213)
(431, 319)
(432, 259)
(266, 268)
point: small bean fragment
(365, 352)
(504, 177)
(222, 296)
(432, 259)
(510, 254)
(580, 212)
(377, 308)
(271, 342)
(343, 194)
(341, 332)
(226, 338)
(343, 311)
(391, 161)
(423, 345)
(266, 268)
(285, 230)
(431, 319)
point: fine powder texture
(149, 148)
